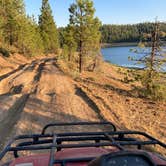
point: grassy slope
(120, 104)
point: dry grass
(50, 95)
(121, 105)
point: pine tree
(17, 29)
(1, 21)
(153, 61)
(29, 39)
(61, 32)
(48, 29)
(70, 44)
(87, 33)
(11, 12)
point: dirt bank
(121, 105)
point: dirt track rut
(39, 93)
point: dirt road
(39, 93)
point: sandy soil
(36, 92)
(119, 103)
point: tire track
(90, 102)
(50, 96)
(12, 72)
(106, 110)
(13, 113)
(11, 119)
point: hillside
(119, 102)
(35, 92)
(129, 33)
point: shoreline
(116, 65)
(132, 68)
(125, 44)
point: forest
(22, 33)
(129, 33)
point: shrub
(126, 79)
(4, 52)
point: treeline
(129, 33)
(21, 33)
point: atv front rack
(55, 142)
(78, 124)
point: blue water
(120, 56)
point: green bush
(126, 79)
(91, 79)
(4, 52)
(155, 92)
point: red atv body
(85, 148)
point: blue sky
(108, 11)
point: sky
(108, 11)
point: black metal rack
(54, 142)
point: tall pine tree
(87, 33)
(70, 44)
(153, 60)
(29, 39)
(18, 30)
(11, 12)
(48, 29)
(1, 21)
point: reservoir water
(120, 55)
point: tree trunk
(155, 42)
(81, 42)
(94, 65)
(69, 56)
(10, 38)
(154, 45)
(80, 58)
(80, 62)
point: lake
(119, 56)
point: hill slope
(36, 92)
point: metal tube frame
(54, 142)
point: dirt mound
(5, 65)
(18, 59)
(13, 62)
